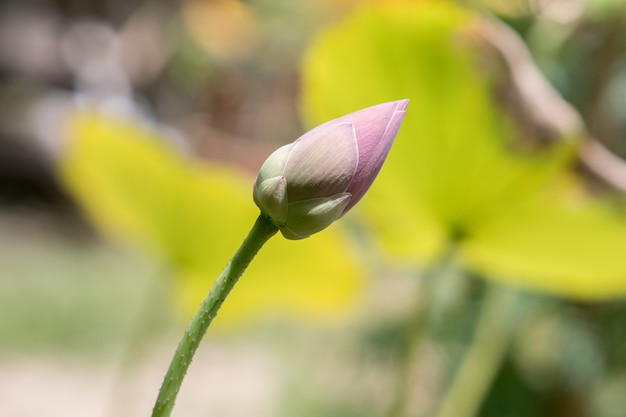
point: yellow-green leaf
(453, 174)
(194, 215)
(451, 153)
(560, 241)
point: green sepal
(271, 197)
(311, 216)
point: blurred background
(484, 276)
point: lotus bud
(306, 185)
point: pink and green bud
(306, 185)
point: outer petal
(271, 197)
(376, 128)
(274, 165)
(322, 162)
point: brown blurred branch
(544, 107)
(604, 163)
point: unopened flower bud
(306, 185)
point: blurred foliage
(193, 215)
(461, 179)
(467, 197)
(452, 177)
(84, 294)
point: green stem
(483, 358)
(260, 233)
